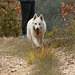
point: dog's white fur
(36, 28)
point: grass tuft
(45, 60)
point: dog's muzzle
(37, 31)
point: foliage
(64, 25)
(63, 35)
(45, 60)
(67, 9)
(68, 14)
(71, 29)
(10, 23)
(51, 33)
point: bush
(51, 33)
(10, 23)
(71, 29)
(45, 60)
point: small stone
(73, 57)
(21, 63)
(71, 62)
(13, 70)
(28, 73)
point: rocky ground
(10, 65)
(66, 61)
(14, 65)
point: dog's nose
(37, 29)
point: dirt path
(66, 62)
(14, 66)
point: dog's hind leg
(28, 35)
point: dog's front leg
(41, 41)
(33, 46)
(36, 42)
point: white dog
(36, 28)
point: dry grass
(14, 46)
(69, 43)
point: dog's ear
(41, 17)
(35, 16)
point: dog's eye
(39, 23)
(35, 23)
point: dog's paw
(37, 46)
(41, 45)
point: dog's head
(38, 23)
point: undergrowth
(68, 43)
(45, 60)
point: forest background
(10, 16)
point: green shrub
(71, 29)
(51, 33)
